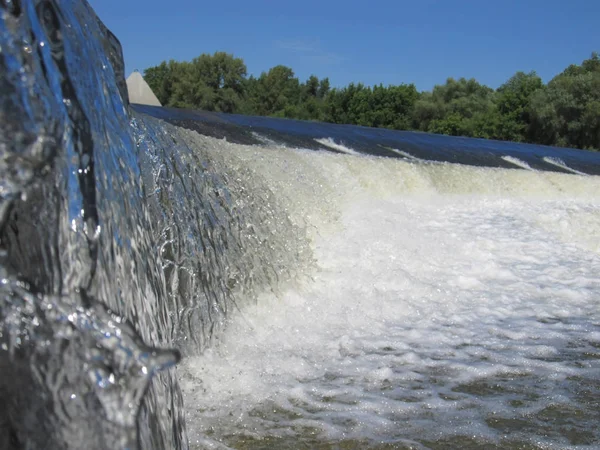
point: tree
(160, 80)
(210, 82)
(276, 92)
(311, 87)
(567, 111)
(393, 106)
(513, 100)
(454, 108)
(324, 88)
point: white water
(330, 143)
(517, 162)
(560, 163)
(404, 154)
(446, 301)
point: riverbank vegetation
(563, 112)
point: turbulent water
(450, 306)
(320, 299)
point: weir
(130, 235)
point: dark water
(376, 141)
(125, 244)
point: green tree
(513, 100)
(324, 88)
(276, 92)
(380, 106)
(345, 105)
(311, 87)
(211, 82)
(160, 80)
(567, 111)
(394, 106)
(454, 108)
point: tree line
(563, 112)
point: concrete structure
(139, 91)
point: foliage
(514, 106)
(380, 106)
(564, 112)
(455, 108)
(210, 82)
(567, 111)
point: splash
(78, 359)
(124, 242)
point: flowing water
(449, 306)
(328, 287)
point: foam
(329, 142)
(404, 154)
(517, 162)
(560, 163)
(443, 304)
(263, 139)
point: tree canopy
(564, 112)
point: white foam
(329, 142)
(517, 162)
(264, 139)
(441, 297)
(403, 154)
(560, 163)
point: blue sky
(378, 41)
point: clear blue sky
(376, 41)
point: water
(449, 306)
(378, 141)
(327, 286)
(84, 319)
